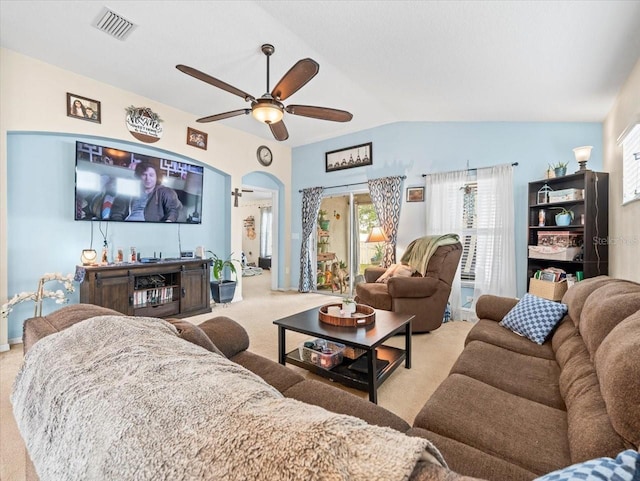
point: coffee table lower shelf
(351, 378)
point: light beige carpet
(404, 392)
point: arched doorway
(262, 211)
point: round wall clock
(265, 157)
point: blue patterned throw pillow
(534, 317)
(626, 467)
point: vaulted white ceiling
(384, 61)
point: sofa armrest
(371, 274)
(494, 308)
(35, 329)
(226, 334)
(412, 286)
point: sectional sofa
(509, 410)
(512, 409)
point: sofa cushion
(625, 467)
(494, 307)
(40, 327)
(577, 294)
(395, 270)
(470, 461)
(534, 317)
(192, 333)
(279, 376)
(493, 333)
(589, 429)
(374, 294)
(530, 377)
(605, 308)
(617, 364)
(227, 335)
(338, 401)
(526, 433)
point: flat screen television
(117, 185)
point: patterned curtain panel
(386, 195)
(310, 208)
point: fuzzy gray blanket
(124, 398)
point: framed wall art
(415, 194)
(356, 156)
(83, 108)
(197, 138)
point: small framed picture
(197, 138)
(415, 194)
(83, 108)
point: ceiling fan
(269, 108)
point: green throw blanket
(420, 250)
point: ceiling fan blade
(322, 113)
(215, 82)
(225, 115)
(297, 76)
(279, 131)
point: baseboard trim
(468, 315)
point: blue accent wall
(416, 148)
(43, 236)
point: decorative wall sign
(144, 124)
(355, 156)
(83, 108)
(415, 194)
(250, 225)
(197, 138)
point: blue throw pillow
(626, 467)
(534, 317)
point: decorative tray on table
(333, 314)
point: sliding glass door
(342, 253)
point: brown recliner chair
(425, 297)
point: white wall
(251, 247)
(33, 99)
(624, 221)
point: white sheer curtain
(266, 239)
(495, 254)
(444, 199)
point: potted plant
(322, 220)
(379, 252)
(564, 217)
(348, 306)
(323, 246)
(560, 168)
(222, 290)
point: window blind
(631, 165)
(469, 232)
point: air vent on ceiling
(113, 24)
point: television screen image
(117, 185)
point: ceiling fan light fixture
(268, 111)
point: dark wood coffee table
(369, 338)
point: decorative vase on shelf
(563, 219)
(560, 171)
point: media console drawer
(159, 310)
